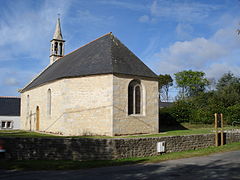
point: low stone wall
(142, 147)
(57, 148)
(104, 149)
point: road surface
(218, 166)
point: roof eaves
(23, 89)
(65, 77)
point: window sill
(136, 115)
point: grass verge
(188, 129)
(71, 165)
(26, 134)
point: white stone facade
(147, 120)
(90, 105)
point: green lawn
(71, 165)
(20, 133)
(187, 129)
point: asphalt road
(218, 166)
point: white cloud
(144, 18)
(184, 31)
(125, 4)
(27, 30)
(215, 55)
(216, 70)
(87, 17)
(11, 81)
(195, 53)
(182, 11)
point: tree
(191, 83)
(165, 82)
(228, 90)
(226, 80)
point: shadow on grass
(167, 122)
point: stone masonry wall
(142, 147)
(103, 149)
(147, 121)
(80, 106)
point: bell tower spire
(57, 44)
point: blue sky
(168, 35)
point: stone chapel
(102, 88)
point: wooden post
(216, 129)
(222, 139)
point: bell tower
(57, 44)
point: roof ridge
(111, 52)
(86, 45)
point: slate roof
(106, 55)
(10, 106)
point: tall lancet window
(134, 97)
(60, 49)
(52, 50)
(49, 102)
(137, 92)
(27, 105)
(56, 48)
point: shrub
(205, 114)
(232, 114)
(181, 111)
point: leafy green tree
(201, 105)
(191, 83)
(229, 95)
(228, 90)
(226, 80)
(232, 114)
(165, 82)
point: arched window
(61, 48)
(137, 99)
(52, 50)
(27, 105)
(56, 48)
(37, 118)
(134, 97)
(49, 102)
